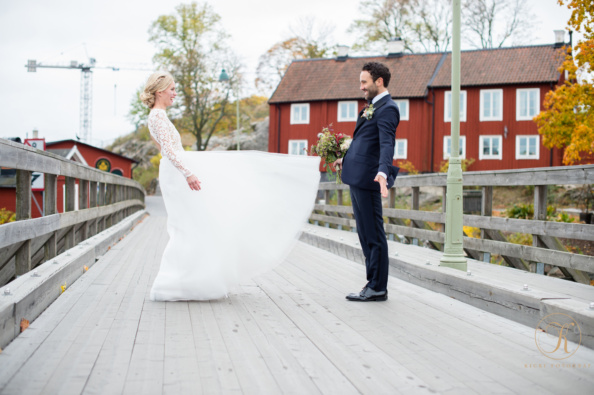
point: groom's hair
(378, 70)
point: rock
(142, 151)
(256, 139)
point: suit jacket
(372, 148)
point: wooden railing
(103, 200)
(546, 248)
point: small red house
(70, 149)
(501, 92)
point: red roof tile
(504, 66)
(329, 79)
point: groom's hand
(383, 185)
(337, 164)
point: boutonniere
(368, 112)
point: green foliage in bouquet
(330, 147)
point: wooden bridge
(291, 330)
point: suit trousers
(367, 207)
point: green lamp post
(453, 251)
(224, 77)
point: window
(447, 147)
(403, 107)
(400, 149)
(490, 147)
(527, 104)
(299, 113)
(447, 113)
(491, 105)
(527, 147)
(298, 147)
(347, 111)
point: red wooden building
(501, 92)
(70, 149)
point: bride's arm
(161, 133)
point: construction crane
(86, 89)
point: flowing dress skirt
(243, 222)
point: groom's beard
(371, 92)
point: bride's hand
(193, 183)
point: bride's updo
(157, 82)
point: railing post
(339, 202)
(93, 204)
(23, 212)
(486, 211)
(391, 204)
(415, 206)
(51, 207)
(109, 198)
(327, 202)
(83, 203)
(540, 214)
(70, 184)
(101, 202)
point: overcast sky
(116, 34)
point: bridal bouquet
(330, 147)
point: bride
(231, 215)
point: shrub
(6, 216)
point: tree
(568, 119)
(385, 20)
(491, 23)
(431, 25)
(423, 25)
(309, 40)
(191, 46)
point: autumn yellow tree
(568, 119)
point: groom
(367, 169)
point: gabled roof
(75, 142)
(504, 66)
(330, 79)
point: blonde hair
(157, 82)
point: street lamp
(224, 77)
(453, 255)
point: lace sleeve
(161, 131)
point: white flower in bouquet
(346, 143)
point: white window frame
(405, 142)
(520, 117)
(462, 143)
(447, 117)
(482, 116)
(301, 106)
(482, 156)
(299, 152)
(529, 136)
(355, 113)
(404, 115)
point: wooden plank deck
(289, 331)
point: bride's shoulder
(157, 113)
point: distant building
(70, 149)
(501, 91)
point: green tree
(568, 119)
(309, 39)
(191, 45)
(383, 20)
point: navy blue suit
(371, 151)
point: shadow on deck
(289, 331)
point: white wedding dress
(243, 222)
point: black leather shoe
(368, 295)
